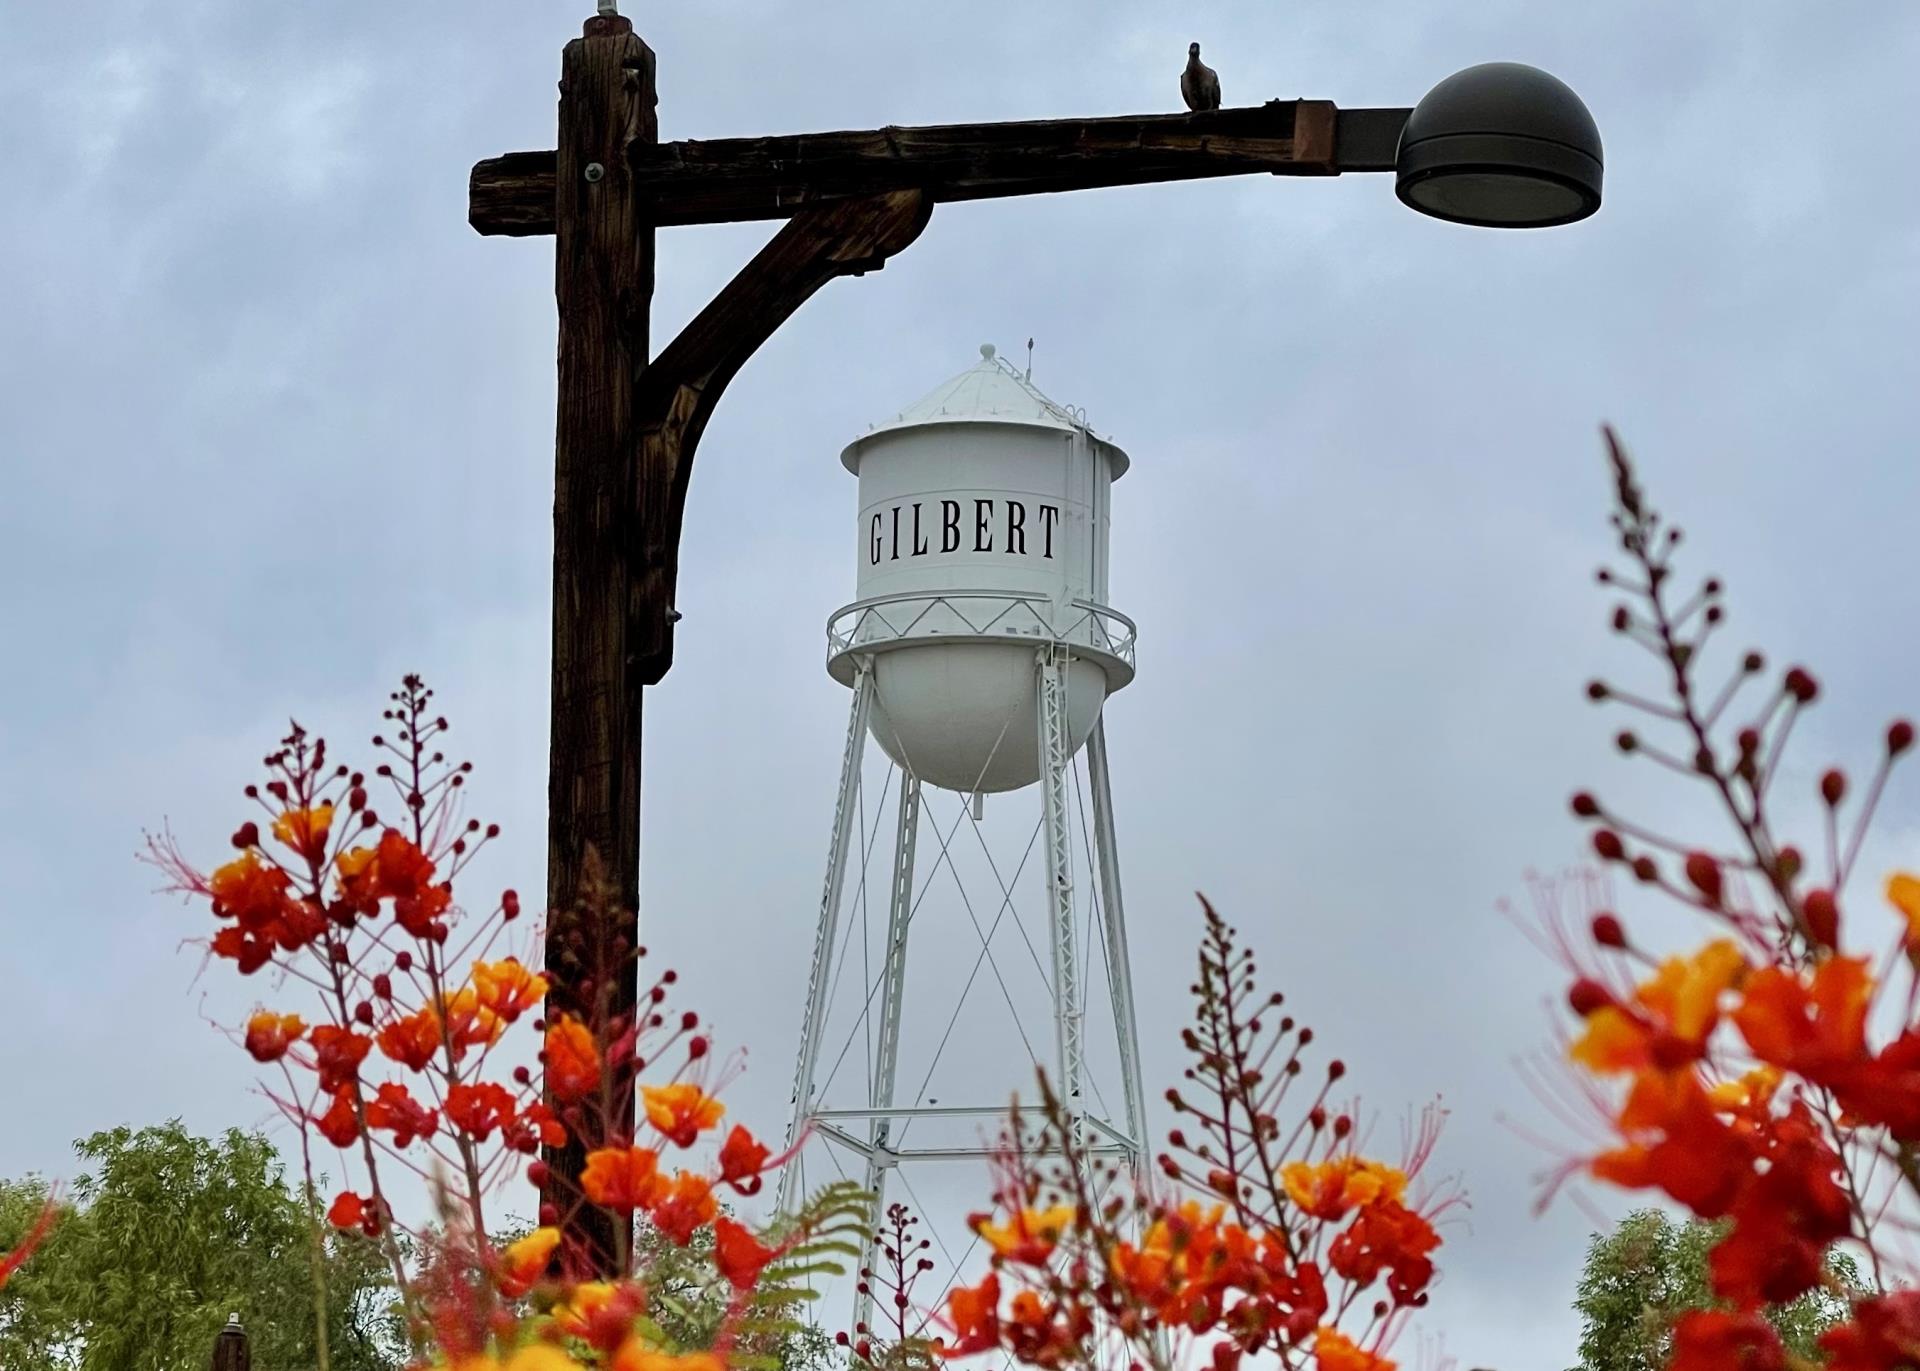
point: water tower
(980, 653)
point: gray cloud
(279, 429)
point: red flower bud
(696, 1049)
(1607, 843)
(1704, 872)
(1587, 996)
(1342, 1126)
(1336, 1069)
(247, 835)
(1833, 786)
(383, 986)
(1586, 806)
(403, 961)
(1607, 931)
(1801, 685)
(689, 1021)
(549, 1216)
(510, 905)
(1645, 869)
(1899, 737)
(1822, 914)
(363, 1013)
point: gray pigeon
(1199, 83)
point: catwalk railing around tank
(894, 621)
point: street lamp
(1500, 145)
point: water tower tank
(981, 545)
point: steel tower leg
(1119, 969)
(887, 1059)
(1054, 755)
(814, 1025)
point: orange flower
(539, 1356)
(412, 1041)
(1812, 1027)
(683, 1206)
(11, 1262)
(599, 1313)
(739, 1255)
(623, 1178)
(1030, 1236)
(507, 989)
(348, 1210)
(1335, 1351)
(340, 1125)
(682, 1111)
(1329, 1189)
(477, 1110)
(1903, 893)
(1678, 1010)
(1676, 1142)
(742, 1158)
(1715, 1340)
(973, 1312)
(249, 890)
(470, 1023)
(1387, 1236)
(635, 1355)
(338, 1053)
(392, 1107)
(359, 875)
(535, 1127)
(269, 1035)
(1753, 1091)
(305, 830)
(522, 1263)
(572, 1059)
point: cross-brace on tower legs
(880, 1144)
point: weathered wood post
(232, 1351)
(603, 286)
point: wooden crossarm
(732, 179)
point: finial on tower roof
(987, 351)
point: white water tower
(981, 652)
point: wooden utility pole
(628, 427)
(603, 286)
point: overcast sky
(276, 427)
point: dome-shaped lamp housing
(1500, 145)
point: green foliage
(688, 1301)
(166, 1235)
(831, 1231)
(1651, 1269)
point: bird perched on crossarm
(1199, 83)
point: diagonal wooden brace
(676, 393)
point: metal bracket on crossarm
(676, 394)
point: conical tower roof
(989, 392)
